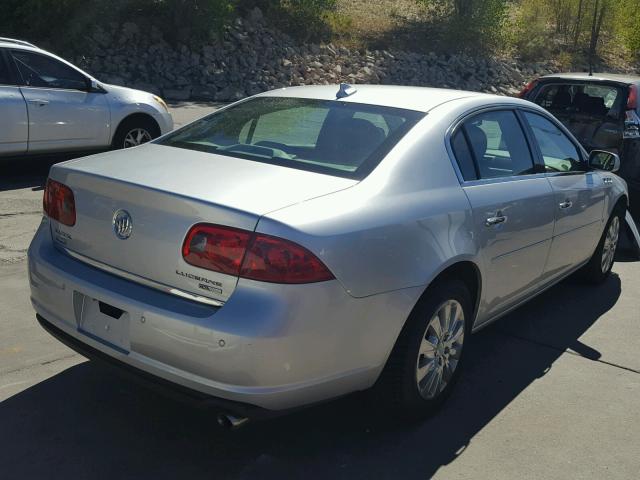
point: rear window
(326, 136)
(591, 99)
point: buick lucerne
(310, 242)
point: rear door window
(497, 145)
(463, 155)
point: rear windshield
(594, 100)
(326, 136)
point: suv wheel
(134, 132)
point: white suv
(49, 105)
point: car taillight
(530, 86)
(632, 99)
(58, 203)
(252, 255)
(272, 259)
(216, 248)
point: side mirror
(607, 161)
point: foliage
(469, 24)
(626, 21)
(67, 22)
(179, 21)
(533, 29)
(303, 19)
(575, 27)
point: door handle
(496, 220)
(40, 103)
(566, 204)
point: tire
(602, 260)
(135, 131)
(398, 388)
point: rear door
(512, 204)
(14, 126)
(579, 195)
(63, 114)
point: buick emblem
(122, 224)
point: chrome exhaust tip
(231, 422)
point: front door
(63, 114)
(579, 196)
(512, 206)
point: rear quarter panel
(398, 228)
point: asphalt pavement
(550, 391)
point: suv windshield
(326, 136)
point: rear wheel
(135, 131)
(427, 358)
(601, 263)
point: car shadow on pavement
(86, 422)
(25, 172)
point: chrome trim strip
(143, 281)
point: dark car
(602, 112)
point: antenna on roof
(345, 90)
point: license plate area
(103, 322)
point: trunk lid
(165, 191)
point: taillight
(58, 203)
(272, 259)
(632, 99)
(530, 86)
(216, 248)
(252, 255)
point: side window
(463, 156)
(5, 75)
(498, 145)
(558, 152)
(41, 71)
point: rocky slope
(251, 57)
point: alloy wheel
(610, 244)
(440, 349)
(135, 137)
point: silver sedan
(310, 242)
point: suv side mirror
(607, 161)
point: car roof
(421, 99)
(17, 44)
(584, 76)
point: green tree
(470, 24)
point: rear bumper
(169, 389)
(271, 346)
